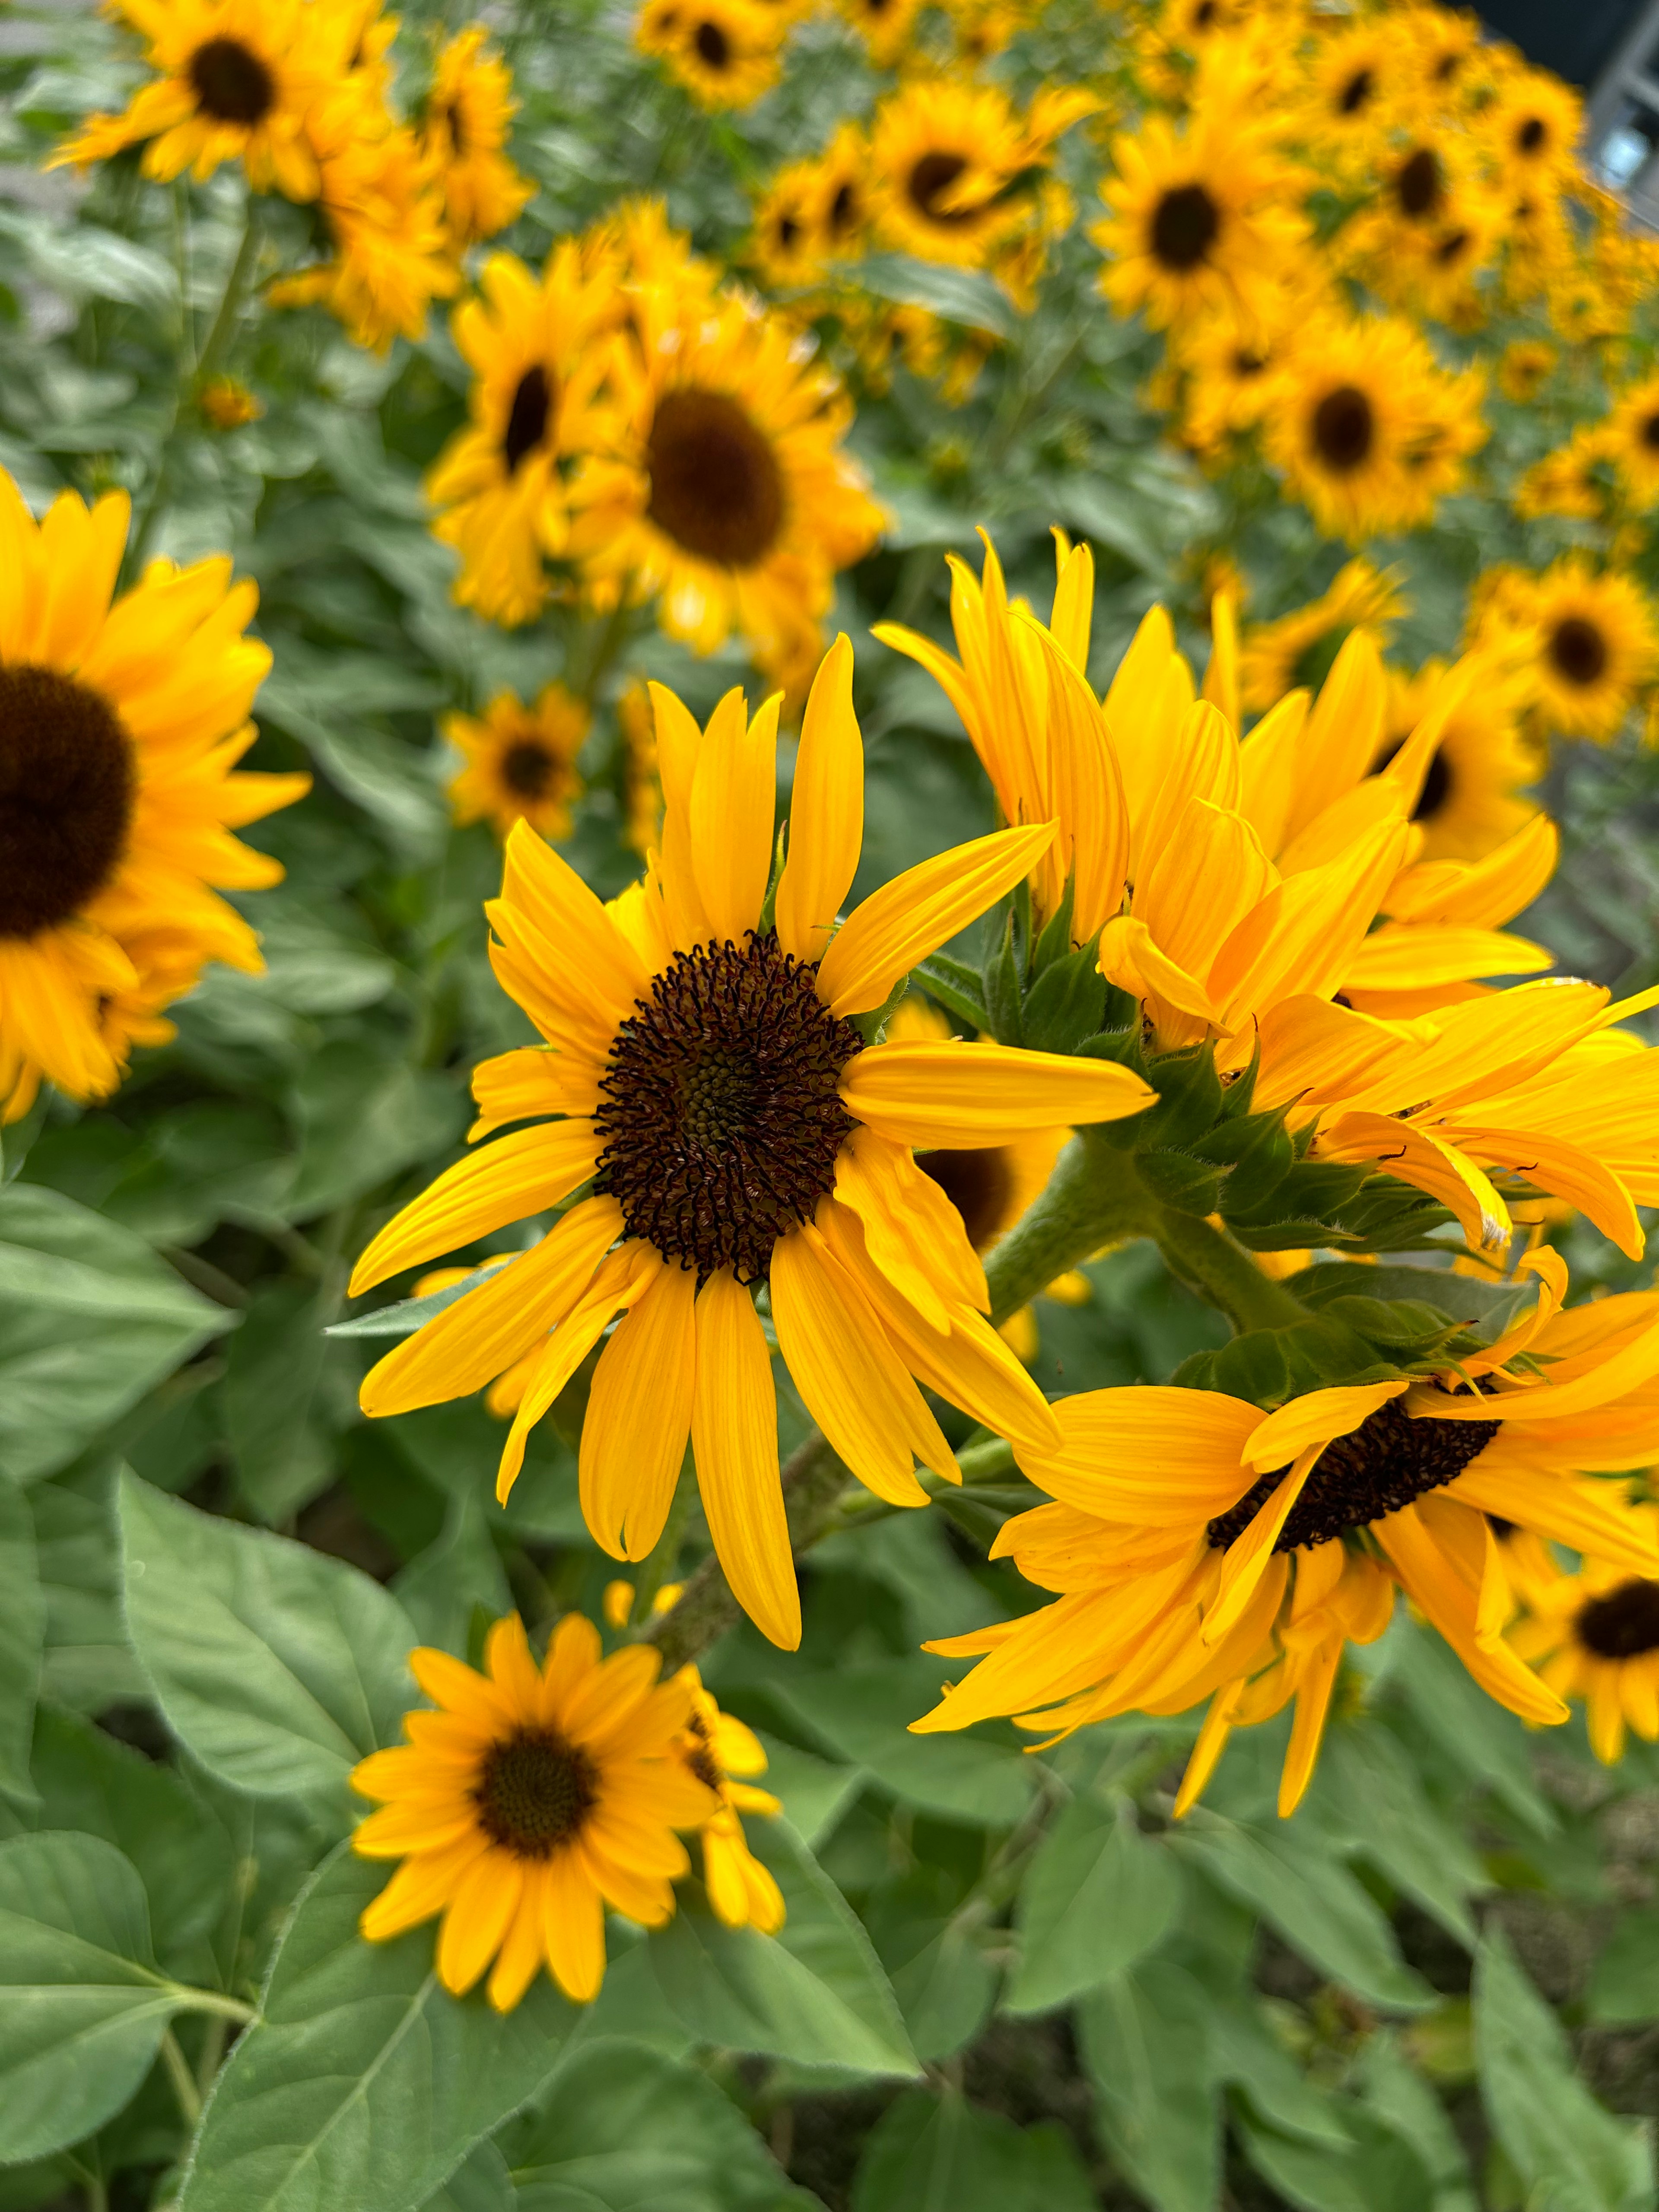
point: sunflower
(237, 82)
(718, 1747)
(1573, 480)
(1357, 77)
(1524, 368)
(1204, 1548)
(787, 241)
(1596, 648)
(520, 761)
(1632, 439)
(719, 483)
(641, 786)
(120, 728)
(723, 52)
(469, 109)
(1595, 1635)
(886, 26)
(1469, 800)
(392, 254)
(531, 1800)
(1201, 220)
(949, 163)
(500, 485)
(1299, 647)
(1226, 360)
(1532, 133)
(736, 1127)
(1431, 228)
(227, 403)
(841, 202)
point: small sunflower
(1532, 133)
(841, 203)
(886, 26)
(1299, 647)
(718, 1747)
(1226, 360)
(951, 163)
(724, 52)
(238, 81)
(1357, 77)
(1576, 479)
(228, 405)
(1632, 440)
(788, 240)
(531, 1800)
(469, 111)
(1596, 648)
(120, 724)
(719, 483)
(500, 484)
(1524, 367)
(520, 761)
(1469, 803)
(1595, 1636)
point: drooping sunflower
(950, 164)
(724, 52)
(1595, 1636)
(520, 761)
(1203, 1548)
(722, 1752)
(501, 485)
(531, 1800)
(735, 1127)
(469, 112)
(1597, 646)
(1299, 647)
(120, 724)
(1469, 802)
(1632, 437)
(237, 82)
(718, 482)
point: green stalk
(1224, 1274)
(1094, 1197)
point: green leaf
(815, 1792)
(1097, 1897)
(1572, 2155)
(1624, 1983)
(958, 295)
(441, 1587)
(88, 1664)
(815, 1993)
(283, 1402)
(929, 2153)
(628, 2130)
(82, 2009)
(1392, 2089)
(1146, 2045)
(1481, 1740)
(1367, 1790)
(408, 1315)
(861, 1713)
(956, 986)
(89, 1320)
(945, 1983)
(1314, 1902)
(482, 2184)
(1378, 2171)
(363, 2083)
(276, 1666)
(1251, 2058)
(22, 1639)
(364, 1119)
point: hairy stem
(184, 2082)
(1206, 1259)
(1094, 1197)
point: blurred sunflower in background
(469, 112)
(1469, 802)
(724, 1754)
(724, 52)
(1632, 440)
(1300, 647)
(1594, 646)
(1594, 1635)
(520, 761)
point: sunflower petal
(639, 1418)
(518, 1176)
(733, 803)
(959, 1096)
(734, 1436)
(826, 811)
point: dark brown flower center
(713, 47)
(979, 1184)
(1437, 784)
(67, 785)
(1418, 185)
(1649, 432)
(1386, 1462)
(534, 1792)
(527, 417)
(842, 214)
(230, 83)
(1344, 428)
(930, 181)
(720, 1116)
(1356, 93)
(1453, 247)
(455, 116)
(1578, 651)
(1532, 133)
(1622, 1623)
(716, 487)
(1185, 224)
(528, 768)
(788, 232)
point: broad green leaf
(482, 2184)
(88, 1665)
(1251, 2058)
(814, 1993)
(1318, 1907)
(363, 2083)
(1378, 2171)
(862, 1712)
(89, 1319)
(364, 1119)
(625, 2130)
(1096, 1896)
(82, 2008)
(276, 1666)
(815, 1793)
(1394, 2090)
(929, 2153)
(945, 1983)
(1147, 2048)
(22, 1637)
(959, 295)
(1481, 1739)
(1367, 1791)
(285, 1398)
(1624, 1983)
(440, 1588)
(1572, 2155)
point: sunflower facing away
(734, 1128)
(520, 761)
(531, 1800)
(120, 728)
(1595, 1635)
(1204, 1548)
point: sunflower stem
(1224, 1274)
(1094, 1197)
(184, 2082)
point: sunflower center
(1649, 432)
(720, 1116)
(1417, 186)
(979, 1184)
(1578, 651)
(1356, 93)
(716, 487)
(528, 768)
(457, 121)
(713, 47)
(930, 181)
(1531, 135)
(534, 1791)
(1386, 1462)
(1452, 246)
(788, 231)
(527, 417)
(231, 84)
(843, 212)
(67, 784)
(1437, 790)
(1184, 227)
(1622, 1623)
(1344, 428)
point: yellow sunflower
(950, 164)
(787, 241)
(1598, 647)
(1524, 368)
(1595, 1636)
(719, 484)
(469, 111)
(1204, 1548)
(1573, 480)
(724, 52)
(1299, 647)
(1632, 440)
(735, 1127)
(1532, 133)
(534, 1798)
(1357, 77)
(841, 204)
(886, 26)
(1469, 802)
(642, 827)
(120, 724)
(237, 82)
(520, 761)
(1201, 220)
(500, 484)
(227, 403)
(722, 1752)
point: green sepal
(1269, 1366)
(1004, 991)
(1311, 1190)
(1066, 1003)
(769, 904)
(870, 1026)
(956, 986)
(1292, 1235)
(1189, 1098)
(1258, 1150)
(1055, 941)
(1388, 1216)
(1178, 1180)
